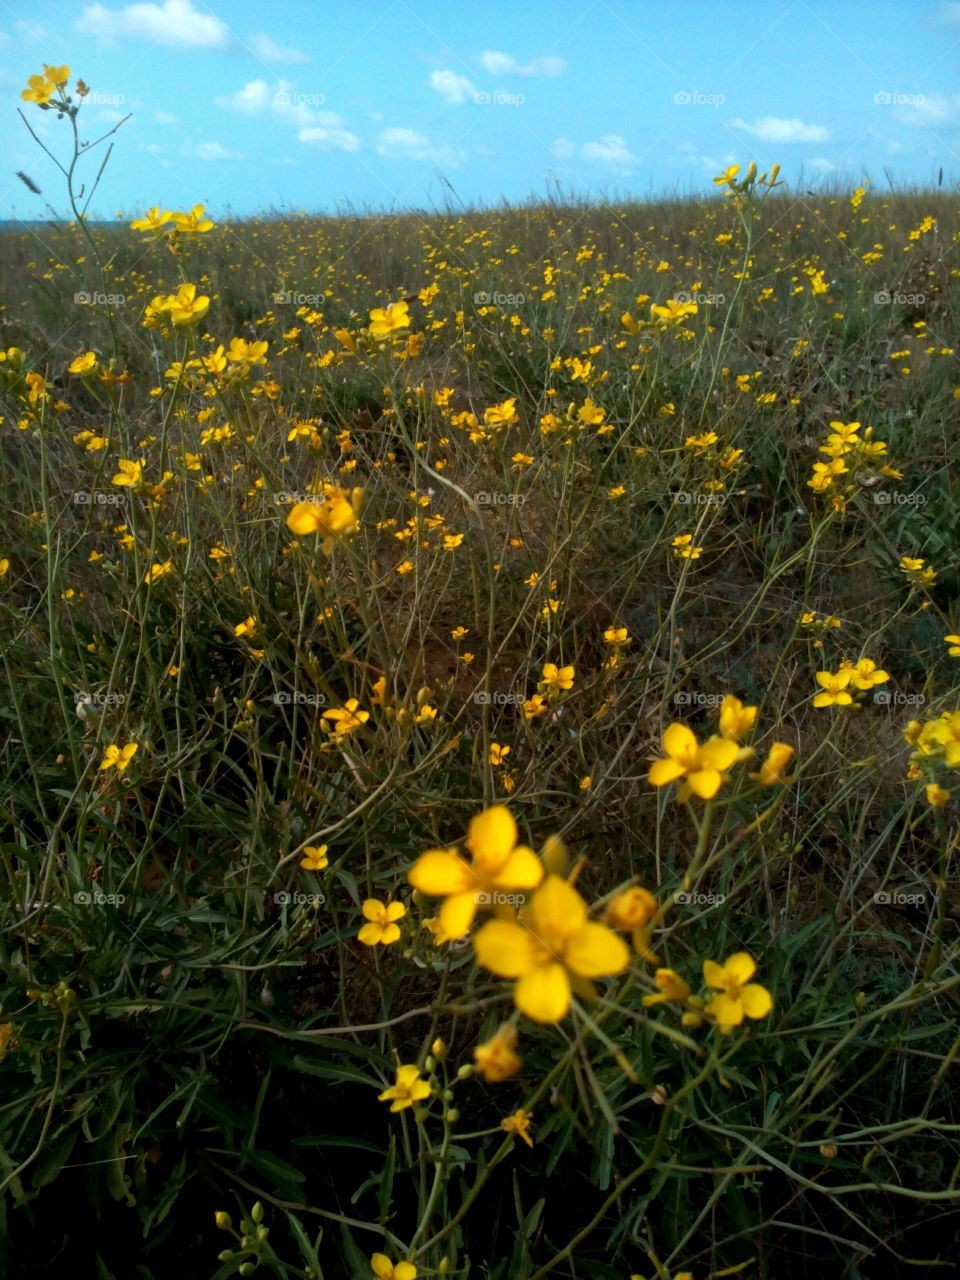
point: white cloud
(611, 150)
(299, 110)
(165, 117)
(778, 130)
(926, 112)
(266, 47)
(820, 165)
(330, 135)
(450, 85)
(209, 151)
(407, 144)
(503, 64)
(950, 13)
(174, 22)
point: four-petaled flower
(701, 767)
(551, 950)
(381, 928)
(409, 1088)
(739, 997)
(118, 757)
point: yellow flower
(381, 929)
(866, 674)
(701, 767)
(4, 567)
(518, 1123)
(555, 680)
(770, 773)
(384, 1269)
(495, 1058)
(153, 221)
(936, 795)
(670, 987)
(736, 720)
(129, 472)
(616, 636)
(246, 628)
(834, 688)
(409, 1088)
(726, 178)
(499, 865)
(191, 223)
(158, 571)
(683, 547)
(118, 757)
(534, 707)
(346, 718)
(333, 517)
(315, 858)
(387, 320)
(184, 307)
(498, 753)
(630, 910)
(738, 996)
(501, 415)
(84, 364)
(551, 948)
(39, 90)
(954, 643)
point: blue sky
(312, 105)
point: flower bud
(223, 1220)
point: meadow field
(480, 718)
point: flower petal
(557, 910)
(714, 975)
(543, 994)
(522, 870)
(456, 916)
(395, 911)
(756, 1000)
(718, 753)
(597, 952)
(741, 966)
(440, 872)
(504, 947)
(727, 1011)
(664, 771)
(705, 783)
(679, 742)
(491, 836)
